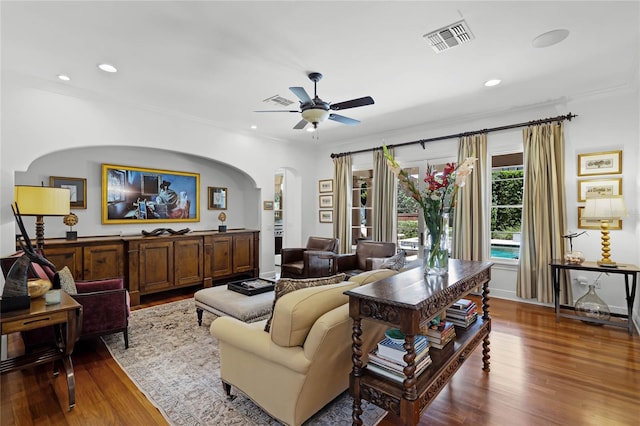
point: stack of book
(388, 358)
(440, 333)
(463, 313)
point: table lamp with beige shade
(605, 209)
(40, 201)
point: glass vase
(591, 306)
(436, 252)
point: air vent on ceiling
(449, 36)
(278, 101)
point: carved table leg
(409, 384)
(357, 371)
(485, 317)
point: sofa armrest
(289, 255)
(374, 262)
(253, 339)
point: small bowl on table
(37, 288)
(395, 335)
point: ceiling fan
(316, 110)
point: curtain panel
(342, 177)
(384, 199)
(543, 214)
(469, 229)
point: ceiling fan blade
(301, 94)
(279, 110)
(367, 100)
(301, 124)
(344, 120)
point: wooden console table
(406, 301)
(622, 269)
(66, 317)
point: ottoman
(223, 302)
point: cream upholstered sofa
(304, 361)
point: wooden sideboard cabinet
(160, 263)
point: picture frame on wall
(600, 163)
(325, 216)
(595, 224)
(326, 201)
(216, 198)
(77, 188)
(602, 187)
(267, 205)
(325, 185)
(144, 195)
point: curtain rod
(458, 135)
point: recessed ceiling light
(254, 127)
(492, 82)
(64, 77)
(107, 68)
(550, 38)
(311, 129)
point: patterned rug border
(147, 359)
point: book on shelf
(442, 343)
(395, 351)
(396, 376)
(465, 322)
(462, 304)
(398, 365)
(440, 331)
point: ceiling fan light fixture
(315, 115)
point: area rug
(175, 363)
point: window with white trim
(507, 184)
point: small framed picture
(325, 185)
(600, 163)
(267, 205)
(77, 188)
(595, 224)
(326, 201)
(600, 187)
(217, 197)
(326, 216)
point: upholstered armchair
(367, 255)
(303, 362)
(105, 305)
(314, 260)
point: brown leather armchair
(367, 255)
(314, 260)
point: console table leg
(485, 317)
(71, 381)
(357, 371)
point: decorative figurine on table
(70, 220)
(222, 217)
(575, 257)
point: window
(361, 213)
(507, 183)
(407, 214)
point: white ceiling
(216, 61)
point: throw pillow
(395, 262)
(67, 283)
(287, 285)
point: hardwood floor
(542, 373)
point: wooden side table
(66, 317)
(628, 271)
(406, 301)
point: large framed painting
(136, 194)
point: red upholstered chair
(105, 305)
(314, 260)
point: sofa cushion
(67, 283)
(296, 312)
(372, 276)
(287, 285)
(395, 262)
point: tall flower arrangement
(438, 196)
